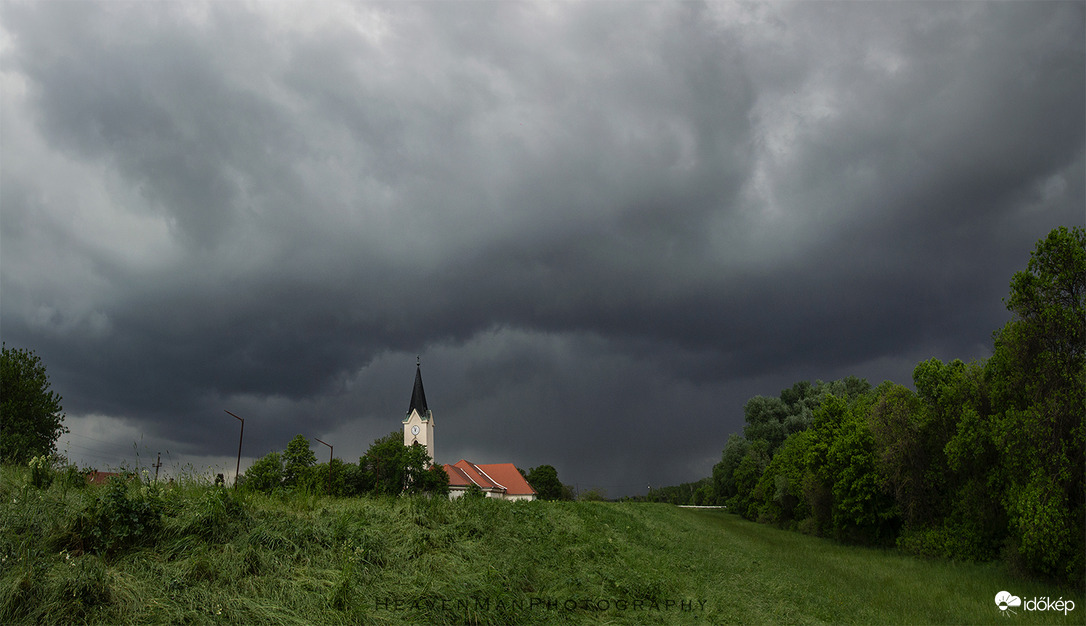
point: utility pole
(240, 437)
(329, 465)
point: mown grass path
(757, 574)
(215, 558)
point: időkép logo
(1007, 602)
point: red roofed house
(497, 480)
(99, 478)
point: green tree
(863, 510)
(31, 417)
(420, 473)
(392, 468)
(331, 478)
(747, 474)
(265, 474)
(958, 512)
(544, 479)
(779, 492)
(1037, 374)
(765, 418)
(356, 480)
(724, 472)
(298, 459)
(843, 487)
(774, 419)
(897, 424)
(384, 463)
(593, 495)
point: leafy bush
(266, 474)
(473, 492)
(128, 514)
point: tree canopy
(984, 459)
(544, 479)
(396, 468)
(297, 459)
(387, 468)
(31, 416)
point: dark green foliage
(698, 493)
(592, 495)
(984, 458)
(126, 515)
(779, 497)
(297, 460)
(544, 479)
(421, 475)
(906, 454)
(385, 462)
(863, 510)
(1037, 375)
(746, 477)
(965, 468)
(388, 468)
(332, 478)
(31, 417)
(724, 472)
(774, 419)
(265, 474)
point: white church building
(496, 480)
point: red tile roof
(100, 478)
(493, 476)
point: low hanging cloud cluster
(603, 225)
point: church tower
(418, 426)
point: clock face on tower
(415, 429)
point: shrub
(126, 515)
(266, 474)
(473, 492)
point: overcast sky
(603, 226)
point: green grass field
(208, 556)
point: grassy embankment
(197, 554)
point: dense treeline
(984, 460)
(387, 468)
(699, 493)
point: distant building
(100, 478)
(418, 426)
(496, 480)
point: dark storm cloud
(604, 225)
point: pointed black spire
(418, 396)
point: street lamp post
(237, 470)
(330, 449)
